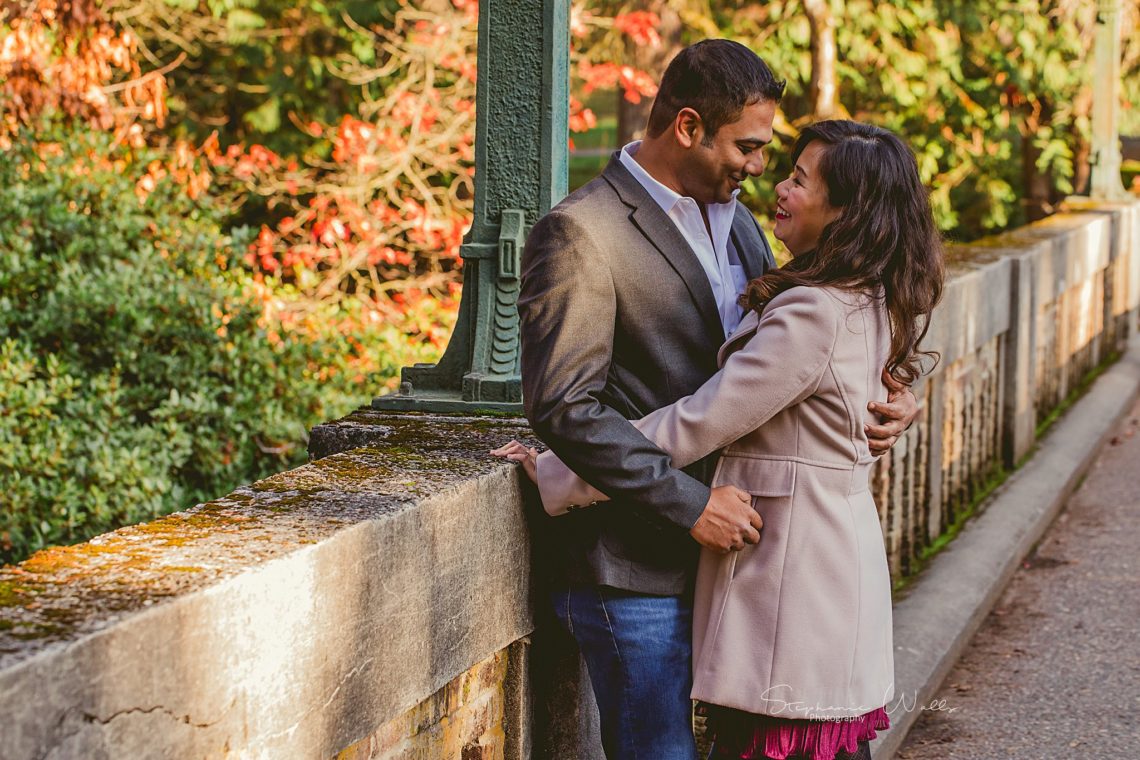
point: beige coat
(798, 626)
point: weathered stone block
(974, 307)
(289, 619)
(1019, 400)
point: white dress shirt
(722, 266)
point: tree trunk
(1037, 186)
(632, 117)
(824, 81)
(1082, 170)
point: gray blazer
(618, 319)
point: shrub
(140, 370)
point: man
(629, 287)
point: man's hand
(517, 452)
(728, 522)
(897, 415)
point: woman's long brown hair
(884, 240)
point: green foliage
(137, 372)
(255, 69)
(994, 99)
(72, 461)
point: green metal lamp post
(521, 170)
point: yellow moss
(53, 559)
(14, 594)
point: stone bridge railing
(1025, 317)
(378, 602)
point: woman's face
(803, 209)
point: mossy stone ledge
(287, 618)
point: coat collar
(740, 335)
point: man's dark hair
(717, 79)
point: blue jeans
(638, 650)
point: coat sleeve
(567, 309)
(781, 365)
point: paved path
(1055, 670)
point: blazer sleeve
(567, 309)
(781, 365)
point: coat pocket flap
(759, 477)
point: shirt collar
(665, 196)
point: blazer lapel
(751, 246)
(663, 234)
(739, 337)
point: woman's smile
(803, 209)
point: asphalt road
(1054, 672)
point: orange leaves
(373, 230)
(371, 219)
(257, 161)
(581, 118)
(634, 82)
(210, 149)
(188, 167)
(640, 26)
(361, 145)
(592, 58)
(330, 231)
(221, 313)
(262, 252)
(68, 59)
(352, 139)
(24, 61)
(147, 184)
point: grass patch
(1076, 393)
(592, 151)
(585, 168)
(997, 475)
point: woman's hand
(516, 452)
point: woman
(792, 636)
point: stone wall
(469, 718)
(295, 617)
(378, 602)
(1026, 315)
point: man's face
(714, 168)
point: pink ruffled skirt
(746, 736)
